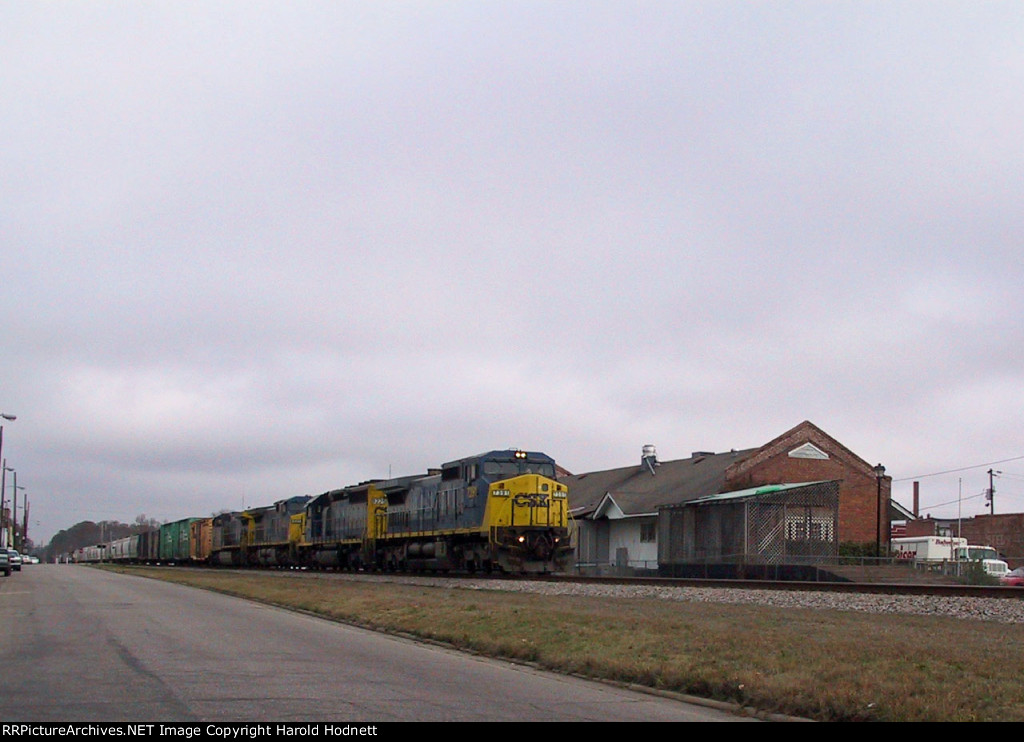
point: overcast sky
(258, 249)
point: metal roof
(765, 489)
(635, 490)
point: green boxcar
(175, 541)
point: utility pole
(992, 491)
(14, 514)
(879, 474)
(3, 505)
(24, 523)
(959, 505)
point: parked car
(5, 563)
(1015, 578)
(14, 559)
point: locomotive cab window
(503, 469)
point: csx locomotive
(501, 511)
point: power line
(953, 471)
(954, 502)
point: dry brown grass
(820, 664)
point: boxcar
(175, 541)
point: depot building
(792, 500)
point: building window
(812, 524)
(796, 529)
(648, 533)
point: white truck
(934, 551)
(928, 549)
(988, 557)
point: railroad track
(878, 588)
(875, 588)
(871, 588)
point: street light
(3, 473)
(879, 474)
(3, 505)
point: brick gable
(861, 511)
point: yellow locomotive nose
(528, 520)
(528, 500)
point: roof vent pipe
(649, 458)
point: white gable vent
(808, 451)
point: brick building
(807, 454)
(1004, 532)
(617, 510)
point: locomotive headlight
(522, 539)
(520, 454)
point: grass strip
(828, 665)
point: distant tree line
(88, 533)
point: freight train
(502, 511)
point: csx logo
(530, 500)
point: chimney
(917, 497)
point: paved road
(88, 645)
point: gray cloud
(253, 250)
